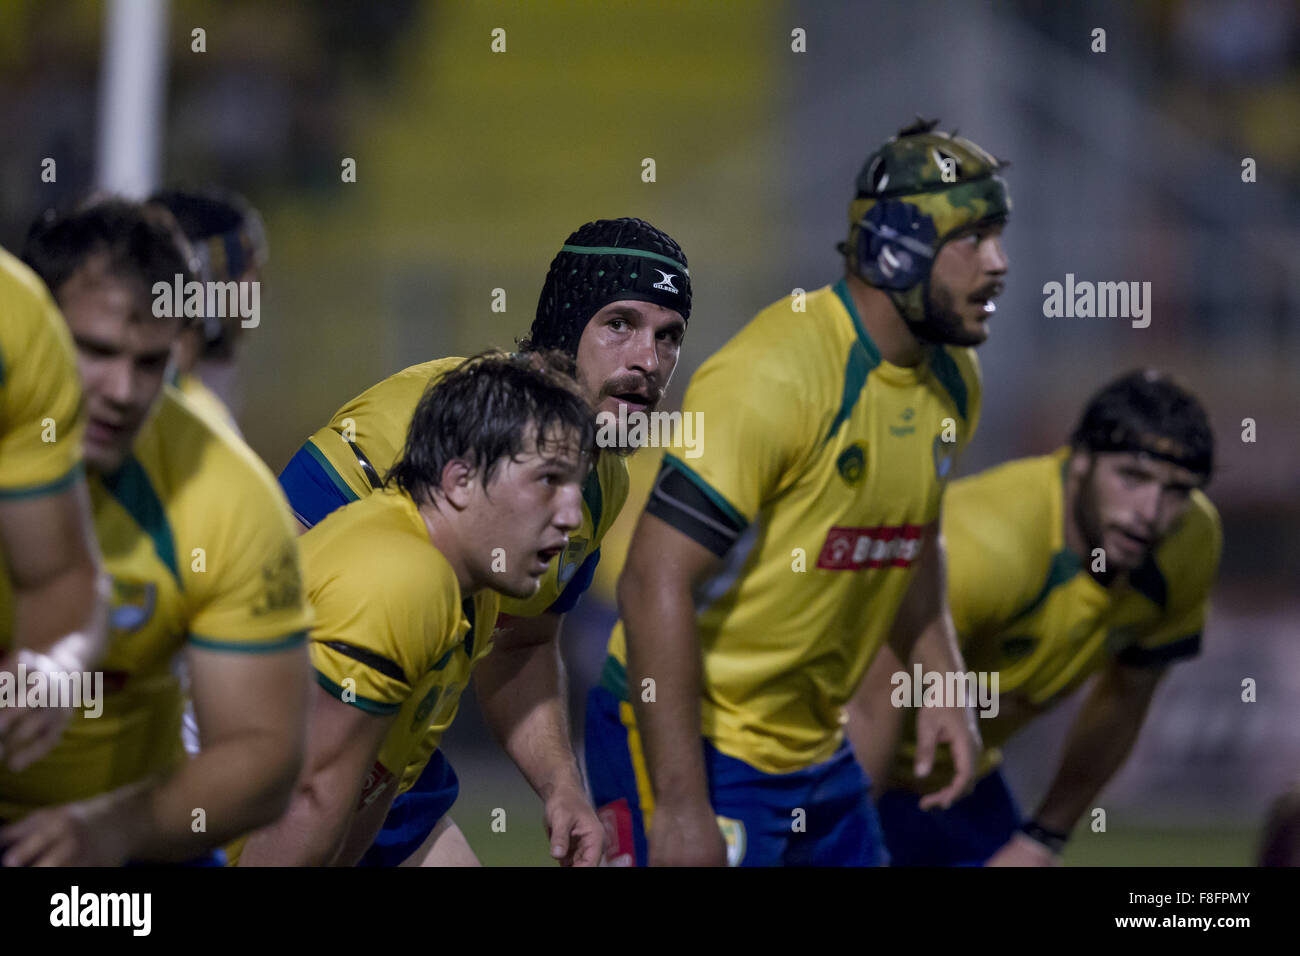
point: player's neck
(443, 535)
(880, 318)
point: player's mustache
(633, 384)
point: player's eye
(618, 325)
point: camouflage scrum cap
(913, 194)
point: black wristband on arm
(1054, 840)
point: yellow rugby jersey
(1026, 607)
(40, 392)
(199, 543)
(821, 466)
(204, 400)
(393, 633)
(376, 422)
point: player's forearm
(662, 647)
(1099, 742)
(229, 789)
(874, 723)
(310, 833)
(522, 696)
(64, 618)
(935, 646)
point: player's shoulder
(1007, 510)
(1189, 555)
(31, 319)
(402, 390)
(203, 468)
(794, 351)
(379, 545)
(1009, 485)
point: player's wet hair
(1147, 412)
(137, 242)
(481, 411)
(607, 261)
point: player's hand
(686, 836)
(577, 837)
(1020, 850)
(74, 834)
(954, 726)
(28, 733)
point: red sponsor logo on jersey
(620, 847)
(376, 783)
(852, 549)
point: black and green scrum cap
(603, 262)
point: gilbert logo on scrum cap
(666, 283)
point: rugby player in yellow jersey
(49, 561)
(765, 574)
(403, 582)
(616, 298)
(229, 244)
(1095, 560)
(203, 558)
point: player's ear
(457, 483)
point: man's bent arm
(521, 691)
(1099, 742)
(343, 744)
(251, 712)
(60, 605)
(923, 633)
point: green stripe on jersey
(361, 703)
(949, 376)
(863, 357)
(728, 510)
(130, 486)
(328, 467)
(48, 488)
(249, 647)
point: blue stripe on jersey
(577, 585)
(130, 486)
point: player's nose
(117, 382)
(645, 357)
(994, 257)
(568, 513)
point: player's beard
(1089, 520)
(943, 324)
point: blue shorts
(414, 814)
(966, 834)
(763, 825)
(312, 493)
